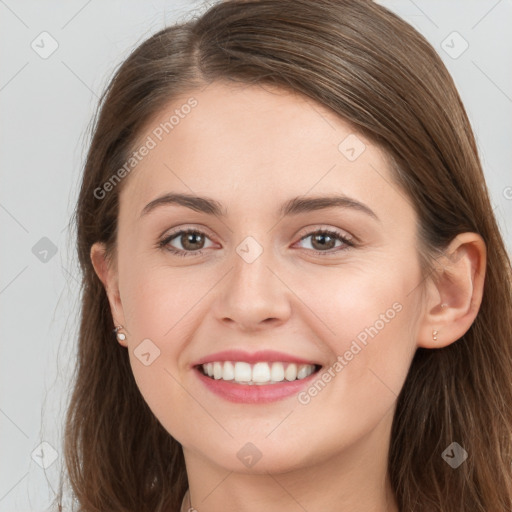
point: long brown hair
(379, 74)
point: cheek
(371, 317)
(159, 301)
(373, 350)
(161, 307)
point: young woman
(295, 293)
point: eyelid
(188, 227)
(348, 240)
(166, 238)
(303, 231)
(309, 230)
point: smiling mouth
(241, 372)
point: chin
(259, 458)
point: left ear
(454, 296)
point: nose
(252, 296)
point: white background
(47, 105)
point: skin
(252, 148)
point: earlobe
(108, 276)
(455, 295)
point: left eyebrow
(294, 206)
(299, 205)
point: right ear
(109, 277)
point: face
(267, 288)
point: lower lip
(255, 393)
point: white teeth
(277, 372)
(291, 372)
(242, 372)
(303, 371)
(259, 373)
(228, 371)
(217, 371)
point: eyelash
(164, 244)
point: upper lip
(254, 357)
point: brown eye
(324, 241)
(190, 240)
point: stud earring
(444, 305)
(434, 335)
(120, 336)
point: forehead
(253, 144)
